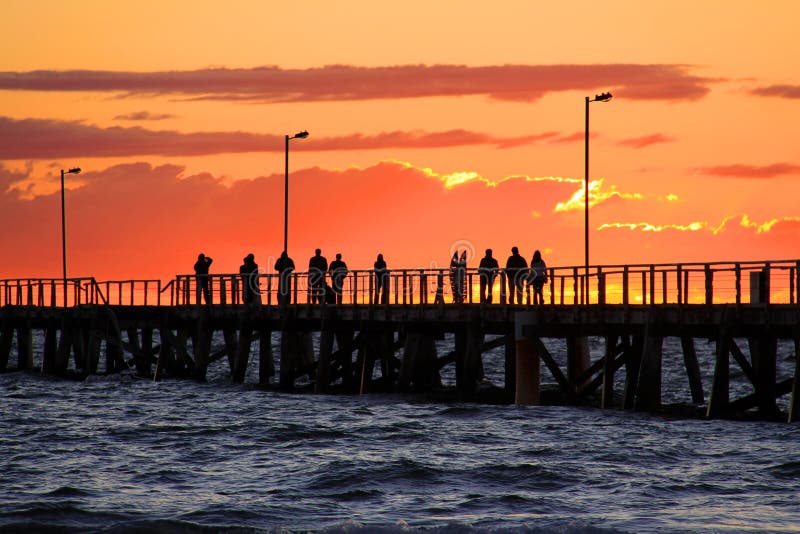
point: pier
(387, 340)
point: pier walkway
(387, 340)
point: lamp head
(301, 135)
(602, 97)
(75, 170)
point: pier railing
(756, 282)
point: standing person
(538, 277)
(249, 273)
(201, 271)
(461, 275)
(317, 267)
(381, 281)
(454, 289)
(516, 270)
(284, 266)
(487, 269)
(338, 270)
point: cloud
(647, 140)
(573, 137)
(751, 171)
(40, 138)
(144, 221)
(596, 196)
(346, 82)
(143, 116)
(782, 91)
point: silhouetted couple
(458, 274)
(518, 273)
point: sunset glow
(430, 124)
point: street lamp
(602, 97)
(75, 170)
(298, 135)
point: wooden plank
(692, 369)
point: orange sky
(432, 125)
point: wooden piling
(528, 375)
(692, 369)
(229, 338)
(794, 402)
(633, 359)
(6, 338)
(648, 391)
(719, 397)
(242, 347)
(25, 347)
(202, 348)
(578, 360)
(763, 355)
(510, 354)
(266, 363)
(49, 352)
(607, 397)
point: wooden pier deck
(161, 331)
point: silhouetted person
(201, 270)
(458, 272)
(516, 273)
(381, 281)
(284, 266)
(338, 270)
(249, 273)
(487, 269)
(317, 267)
(538, 277)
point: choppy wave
(178, 456)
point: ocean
(121, 454)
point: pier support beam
(578, 361)
(528, 363)
(25, 347)
(510, 353)
(6, 337)
(296, 358)
(794, 402)
(719, 398)
(242, 352)
(648, 394)
(607, 398)
(202, 347)
(763, 356)
(266, 363)
(692, 369)
(49, 354)
(418, 370)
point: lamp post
(602, 97)
(298, 135)
(75, 170)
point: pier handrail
(718, 282)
